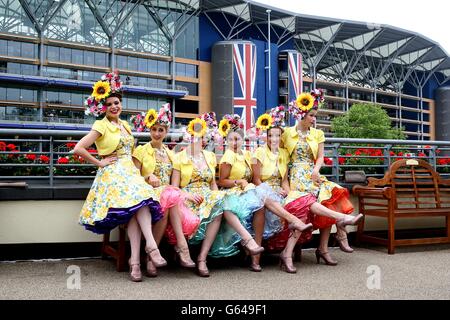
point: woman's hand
(153, 181)
(315, 177)
(283, 193)
(107, 161)
(195, 198)
(242, 183)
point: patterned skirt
(117, 193)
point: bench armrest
(361, 191)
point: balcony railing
(46, 156)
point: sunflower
(101, 90)
(197, 127)
(224, 127)
(150, 118)
(305, 101)
(264, 121)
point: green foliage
(365, 121)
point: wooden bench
(410, 188)
(118, 253)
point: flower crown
(204, 126)
(102, 89)
(272, 119)
(143, 121)
(305, 102)
(230, 123)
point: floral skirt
(117, 193)
(301, 209)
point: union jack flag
(295, 75)
(244, 58)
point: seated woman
(119, 194)
(194, 171)
(272, 167)
(305, 145)
(155, 162)
(243, 197)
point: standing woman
(243, 197)
(155, 162)
(118, 194)
(306, 148)
(194, 171)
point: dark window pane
(13, 94)
(14, 48)
(180, 69)
(52, 97)
(191, 87)
(100, 59)
(152, 66)
(132, 63)
(13, 68)
(121, 62)
(77, 56)
(89, 58)
(26, 95)
(191, 71)
(64, 97)
(28, 69)
(28, 50)
(2, 93)
(52, 53)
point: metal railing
(47, 155)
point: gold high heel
(157, 259)
(252, 252)
(184, 257)
(138, 277)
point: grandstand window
(3, 47)
(2, 93)
(28, 50)
(132, 64)
(163, 67)
(13, 94)
(101, 59)
(152, 66)
(65, 54)
(14, 49)
(142, 65)
(77, 56)
(89, 58)
(52, 53)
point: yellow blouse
(315, 137)
(238, 163)
(269, 161)
(110, 138)
(184, 164)
(147, 157)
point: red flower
(11, 147)
(341, 161)
(400, 154)
(328, 161)
(392, 153)
(2, 146)
(71, 145)
(10, 156)
(44, 159)
(63, 160)
(421, 154)
(31, 157)
(348, 154)
(357, 153)
(438, 151)
(442, 162)
(427, 147)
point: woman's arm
(87, 141)
(224, 182)
(256, 167)
(175, 181)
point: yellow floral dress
(212, 205)
(328, 193)
(118, 192)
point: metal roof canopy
(382, 56)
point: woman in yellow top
(306, 148)
(119, 194)
(194, 171)
(155, 162)
(243, 197)
(271, 166)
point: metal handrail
(38, 143)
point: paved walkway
(412, 273)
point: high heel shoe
(137, 277)
(343, 243)
(300, 227)
(152, 272)
(184, 257)
(202, 272)
(251, 251)
(156, 257)
(255, 267)
(349, 220)
(286, 264)
(326, 257)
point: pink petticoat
(171, 197)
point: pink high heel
(156, 258)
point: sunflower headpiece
(102, 89)
(274, 118)
(204, 126)
(230, 123)
(306, 102)
(144, 121)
